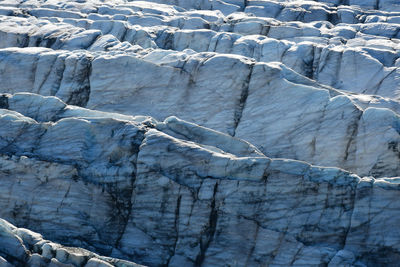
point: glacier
(199, 133)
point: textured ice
(199, 133)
